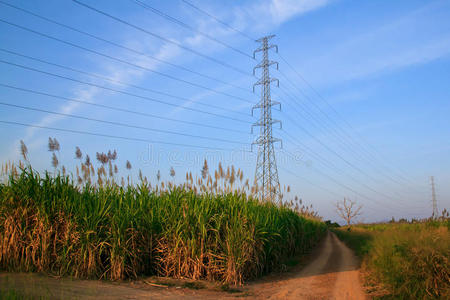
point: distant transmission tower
(435, 213)
(266, 175)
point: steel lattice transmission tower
(266, 175)
(433, 199)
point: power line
(144, 98)
(113, 136)
(119, 82)
(337, 114)
(314, 184)
(78, 1)
(340, 138)
(123, 61)
(163, 38)
(338, 183)
(382, 205)
(330, 165)
(335, 153)
(266, 174)
(227, 25)
(218, 20)
(120, 124)
(122, 46)
(309, 181)
(304, 109)
(113, 123)
(322, 188)
(243, 34)
(120, 109)
(183, 24)
(320, 158)
(327, 147)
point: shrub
(411, 260)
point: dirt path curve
(332, 273)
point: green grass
(228, 289)
(410, 260)
(12, 294)
(193, 285)
(50, 224)
(360, 241)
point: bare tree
(348, 210)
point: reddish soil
(331, 273)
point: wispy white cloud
(207, 94)
(116, 71)
(283, 10)
(268, 13)
(415, 38)
(254, 17)
(263, 13)
(30, 133)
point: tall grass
(411, 260)
(51, 224)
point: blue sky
(382, 67)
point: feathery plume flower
(23, 150)
(221, 173)
(55, 161)
(56, 144)
(205, 169)
(78, 153)
(110, 169)
(102, 158)
(51, 145)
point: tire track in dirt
(332, 274)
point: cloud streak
(265, 13)
(283, 10)
(279, 12)
(416, 38)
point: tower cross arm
(272, 103)
(264, 64)
(264, 48)
(266, 80)
(260, 140)
(266, 174)
(261, 123)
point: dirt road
(332, 273)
